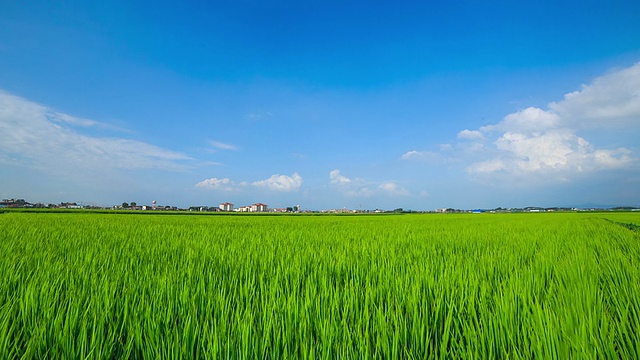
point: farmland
(411, 286)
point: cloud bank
(282, 183)
(36, 136)
(276, 183)
(612, 100)
(545, 143)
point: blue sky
(418, 105)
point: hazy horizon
(327, 105)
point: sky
(361, 105)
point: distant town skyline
(13, 203)
(353, 105)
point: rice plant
(123, 286)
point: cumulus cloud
(282, 183)
(224, 184)
(554, 151)
(336, 178)
(610, 100)
(530, 120)
(349, 187)
(470, 135)
(36, 136)
(535, 141)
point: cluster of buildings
(257, 207)
(229, 207)
(226, 206)
(263, 208)
(21, 203)
(254, 208)
(14, 203)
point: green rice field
(119, 286)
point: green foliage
(81, 285)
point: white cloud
(421, 155)
(470, 135)
(222, 146)
(224, 184)
(530, 120)
(472, 148)
(276, 182)
(36, 136)
(282, 183)
(610, 100)
(349, 187)
(393, 189)
(361, 188)
(553, 151)
(64, 118)
(336, 178)
(488, 166)
(542, 142)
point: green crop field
(84, 285)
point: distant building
(259, 207)
(200, 208)
(14, 203)
(226, 206)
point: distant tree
(398, 210)
(289, 209)
(133, 204)
(125, 205)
